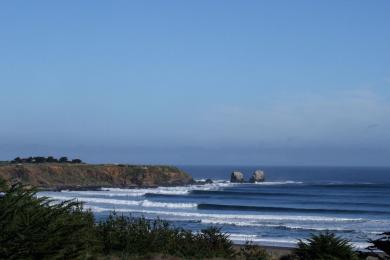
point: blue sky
(197, 82)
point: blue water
(293, 203)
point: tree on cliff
(40, 159)
(63, 159)
(17, 160)
(51, 159)
(76, 161)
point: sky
(197, 82)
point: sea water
(291, 204)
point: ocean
(291, 204)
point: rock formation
(237, 177)
(257, 176)
(208, 181)
(203, 182)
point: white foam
(227, 222)
(259, 217)
(180, 190)
(147, 203)
(141, 203)
(236, 218)
(317, 228)
(242, 235)
(138, 192)
(104, 193)
(374, 232)
(256, 224)
(141, 192)
(361, 245)
(278, 182)
(239, 238)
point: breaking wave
(141, 203)
(236, 217)
(277, 226)
(286, 209)
(138, 192)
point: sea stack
(257, 176)
(237, 177)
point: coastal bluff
(89, 176)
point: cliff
(56, 175)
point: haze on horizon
(197, 82)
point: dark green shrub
(3, 185)
(17, 160)
(139, 236)
(130, 235)
(207, 243)
(215, 242)
(35, 228)
(253, 252)
(63, 159)
(324, 246)
(51, 159)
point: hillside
(60, 175)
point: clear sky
(197, 82)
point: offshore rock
(203, 182)
(257, 176)
(209, 181)
(237, 177)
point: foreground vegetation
(39, 228)
(325, 246)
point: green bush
(3, 185)
(139, 236)
(35, 228)
(324, 246)
(253, 252)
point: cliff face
(55, 175)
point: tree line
(42, 159)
